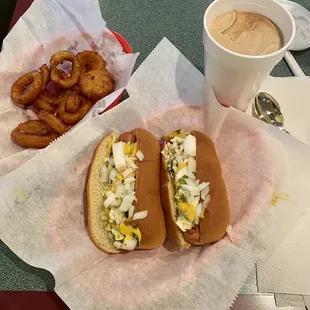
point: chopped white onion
(190, 145)
(203, 186)
(109, 193)
(208, 198)
(103, 216)
(205, 192)
(130, 244)
(131, 163)
(128, 187)
(109, 200)
(179, 158)
(198, 210)
(117, 244)
(118, 217)
(192, 165)
(117, 234)
(131, 211)
(127, 172)
(190, 182)
(119, 191)
(104, 174)
(193, 200)
(192, 189)
(114, 203)
(140, 155)
(119, 156)
(181, 173)
(139, 215)
(113, 174)
(204, 206)
(184, 224)
(126, 203)
(111, 162)
(191, 176)
(130, 180)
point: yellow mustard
(110, 146)
(175, 134)
(128, 231)
(134, 150)
(112, 188)
(182, 165)
(128, 148)
(119, 176)
(188, 208)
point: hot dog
(123, 208)
(193, 190)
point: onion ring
(56, 124)
(97, 84)
(33, 134)
(42, 104)
(90, 60)
(58, 76)
(45, 71)
(55, 100)
(73, 118)
(20, 95)
(73, 103)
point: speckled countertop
(143, 23)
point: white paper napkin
(288, 269)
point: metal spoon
(268, 110)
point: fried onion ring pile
(96, 84)
(45, 71)
(19, 92)
(59, 76)
(55, 123)
(69, 118)
(33, 134)
(59, 97)
(90, 60)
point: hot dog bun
(152, 227)
(217, 214)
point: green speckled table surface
(143, 23)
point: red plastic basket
(128, 50)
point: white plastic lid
(302, 19)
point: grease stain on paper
(21, 194)
(278, 196)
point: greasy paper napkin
(41, 209)
(48, 27)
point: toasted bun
(94, 198)
(153, 230)
(217, 215)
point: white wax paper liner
(55, 232)
(47, 27)
(57, 228)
